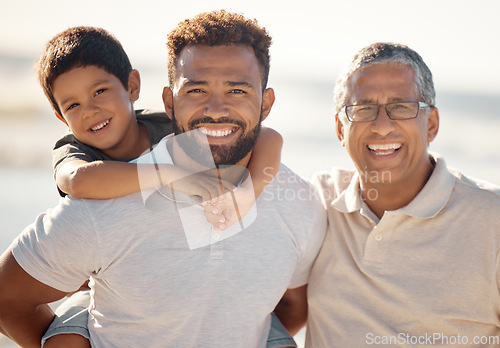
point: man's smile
(384, 149)
(217, 131)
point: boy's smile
(100, 126)
(99, 110)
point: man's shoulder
(332, 183)
(296, 202)
(468, 185)
(288, 180)
(101, 213)
(288, 189)
(286, 176)
(336, 177)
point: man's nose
(216, 106)
(382, 125)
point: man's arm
(24, 313)
(292, 309)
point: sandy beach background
(312, 43)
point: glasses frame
(421, 105)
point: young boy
(90, 83)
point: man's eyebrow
(239, 84)
(371, 101)
(397, 99)
(363, 101)
(191, 83)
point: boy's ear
(168, 100)
(60, 117)
(134, 85)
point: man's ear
(267, 102)
(134, 85)
(60, 117)
(432, 124)
(168, 100)
(339, 129)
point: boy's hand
(204, 186)
(229, 208)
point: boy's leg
(278, 335)
(67, 340)
(70, 326)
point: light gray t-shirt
(150, 288)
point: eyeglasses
(395, 111)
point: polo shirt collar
(427, 204)
(435, 194)
(349, 200)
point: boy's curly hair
(219, 28)
(80, 47)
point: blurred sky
(458, 39)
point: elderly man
(412, 252)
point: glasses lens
(362, 112)
(402, 111)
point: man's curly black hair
(219, 28)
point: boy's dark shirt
(68, 148)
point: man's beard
(222, 154)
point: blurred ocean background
(312, 42)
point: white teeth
(384, 149)
(374, 147)
(217, 133)
(100, 126)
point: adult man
(149, 285)
(411, 257)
